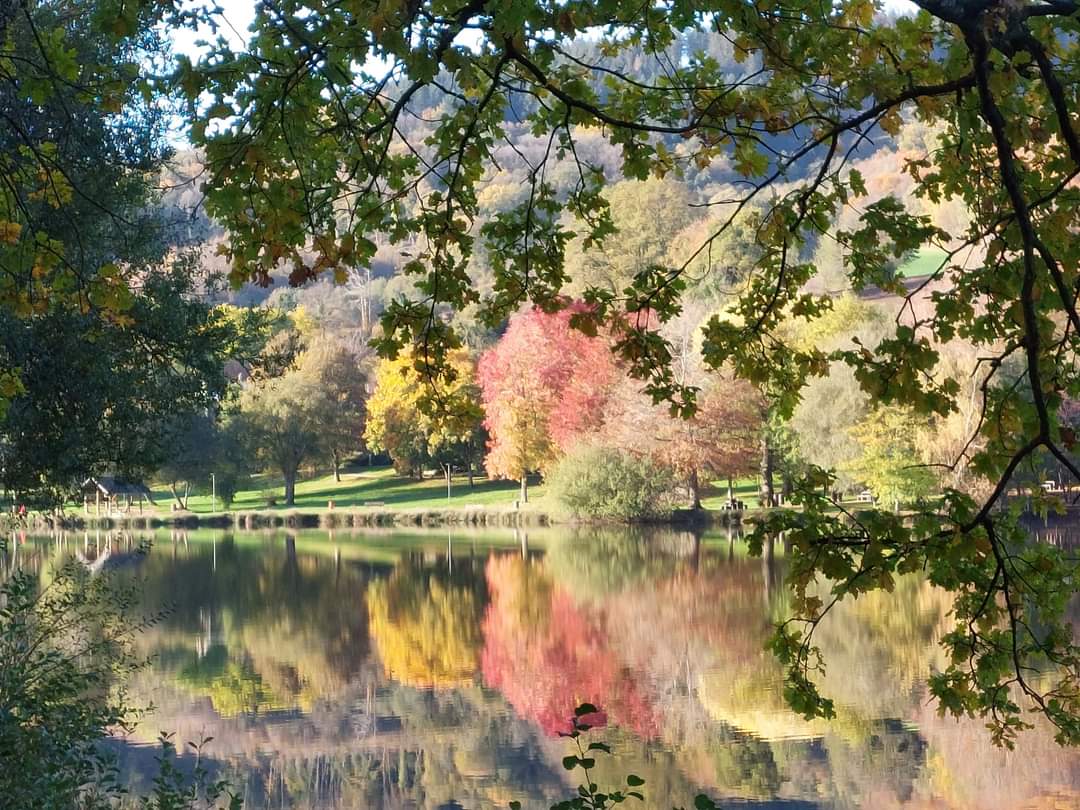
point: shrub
(67, 649)
(228, 484)
(602, 482)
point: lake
(402, 669)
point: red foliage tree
(543, 385)
(720, 440)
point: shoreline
(498, 517)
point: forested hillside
(662, 219)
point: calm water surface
(396, 670)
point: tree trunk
(290, 487)
(694, 485)
(470, 468)
(175, 494)
(187, 493)
(524, 488)
(730, 490)
(787, 486)
(766, 494)
(337, 466)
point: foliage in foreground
(602, 482)
(590, 795)
(67, 649)
(997, 83)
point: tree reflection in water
(369, 671)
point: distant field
(925, 261)
(373, 484)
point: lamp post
(213, 494)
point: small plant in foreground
(590, 797)
(175, 790)
(67, 648)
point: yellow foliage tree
(417, 423)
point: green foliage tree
(83, 132)
(99, 396)
(190, 438)
(202, 445)
(725, 262)
(646, 214)
(341, 391)
(280, 421)
(889, 462)
(279, 351)
(995, 79)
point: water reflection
(392, 670)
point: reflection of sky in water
(377, 671)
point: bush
(67, 650)
(601, 482)
(228, 484)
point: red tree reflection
(547, 656)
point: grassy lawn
(369, 484)
(746, 490)
(375, 484)
(925, 261)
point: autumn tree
(719, 441)
(889, 462)
(416, 425)
(543, 386)
(818, 81)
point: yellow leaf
(9, 232)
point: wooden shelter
(112, 490)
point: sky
(238, 15)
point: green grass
(746, 490)
(368, 484)
(926, 260)
(395, 491)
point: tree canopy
(337, 129)
(307, 146)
